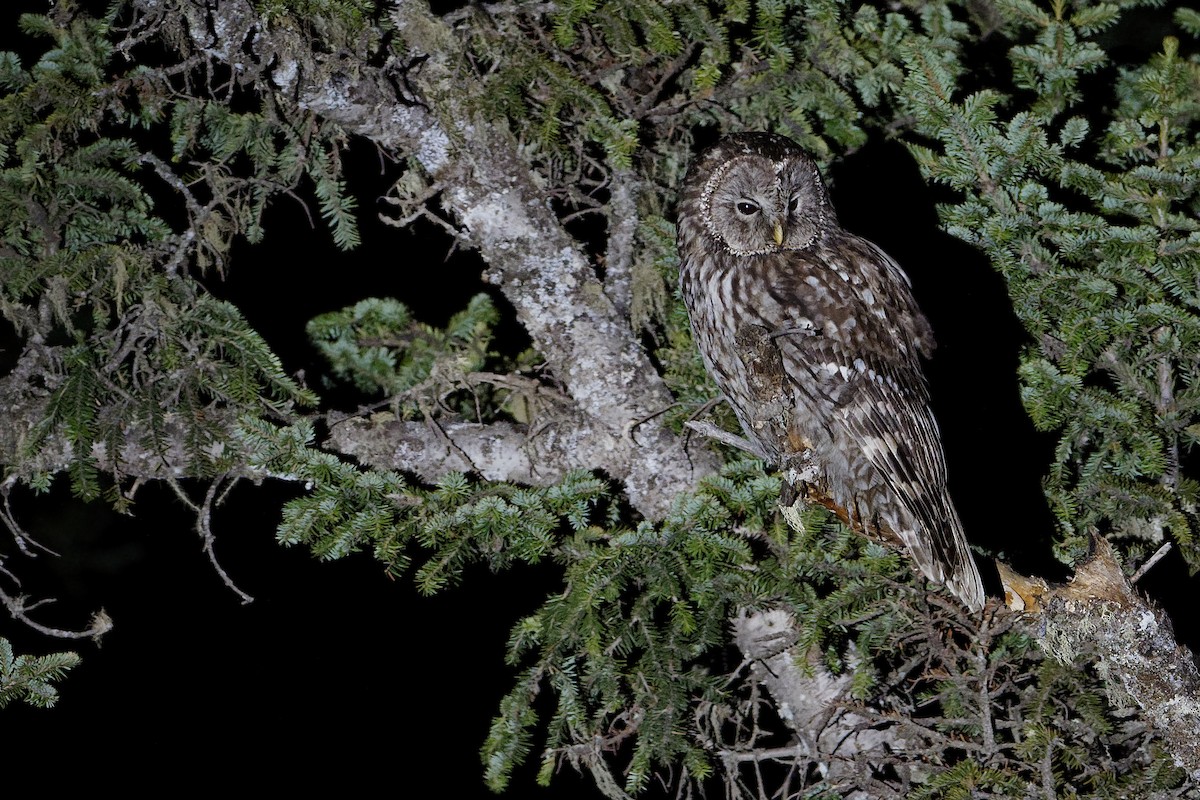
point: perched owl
(814, 336)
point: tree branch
(500, 451)
(538, 267)
(812, 701)
(1098, 614)
(622, 224)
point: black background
(337, 676)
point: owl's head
(759, 193)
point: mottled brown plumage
(814, 336)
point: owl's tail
(950, 561)
(915, 505)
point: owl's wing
(900, 437)
(883, 412)
(885, 278)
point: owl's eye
(746, 208)
(793, 204)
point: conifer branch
(827, 730)
(29, 678)
(537, 455)
(519, 121)
(533, 261)
(499, 451)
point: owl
(815, 339)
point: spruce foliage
(378, 347)
(30, 679)
(1092, 224)
(129, 166)
(100, 232)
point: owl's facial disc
(753, 205)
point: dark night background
(337, 675)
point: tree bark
(490, 191)
(1099, 615)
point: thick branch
(811, 700)
(541, 270)
(1098, 614)
(499, 451)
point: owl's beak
(778, 233)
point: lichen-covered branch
(1099, 615)
(490, 192)
(623, 220)
(499, 451)
(812, 701)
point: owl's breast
(740, 322)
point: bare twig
(203, 512)
(25, 543)
(1150, 562)
(19, 609)
(724, 437)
